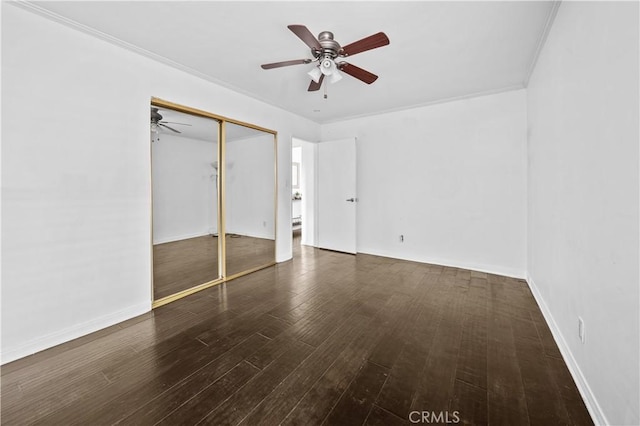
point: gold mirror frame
(160, 103)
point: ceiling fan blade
(357, 72)
(367, 43)
(316, 86)
(305, 35)
(285, 63)
(173, 130)
(173, 122)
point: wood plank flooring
(327, 338)
(180, 265)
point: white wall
(184, 188)
(76, 191)
(249, 187)
(583, 199)
(451, 178)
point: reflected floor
(180, 265)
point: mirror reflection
(249, 198)
(184, 155)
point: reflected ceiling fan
(325, 50)
(157, 123)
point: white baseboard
(490, 269)
(597, 415)
(48, 341)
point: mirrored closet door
(184, 155)
(249, 198)
(214, 199)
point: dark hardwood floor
(180, 265)
(327, 338)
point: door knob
(351, 200)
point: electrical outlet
(581, 329)
(402, 238)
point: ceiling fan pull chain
(325, 91)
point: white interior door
(337, 199)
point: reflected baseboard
(192, 290)
(181, 237)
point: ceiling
(438, 50)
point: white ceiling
(438, 50)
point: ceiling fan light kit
(315, 74)
(335, 77)
(325, 50)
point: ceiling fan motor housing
(155, 115)
(330, 47)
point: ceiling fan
(157, 123)
(325, 50)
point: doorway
(303, 193)
(296, 194)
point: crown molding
(542, 40)
(429, 103)
(70, 23)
